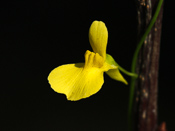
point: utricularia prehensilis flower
(81, 80)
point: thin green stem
(126, 72)
(134, 60)
(110, 60)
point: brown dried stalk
(147, 67)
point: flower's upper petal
(75, 81)
(98, 37)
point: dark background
(37, 36)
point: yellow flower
(82, 80)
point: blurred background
(37, 36)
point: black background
(37, 36)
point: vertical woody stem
(147, 67)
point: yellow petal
(75, 81)
(80, 80)
(115, 74)
(98, 37)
